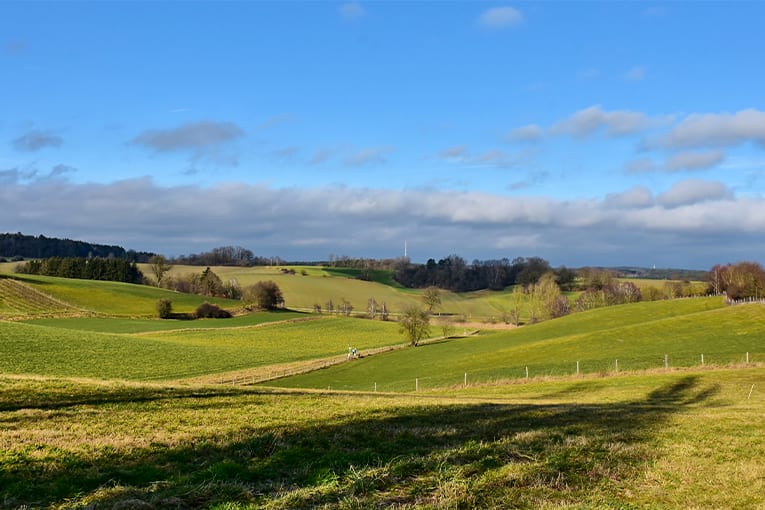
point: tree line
(226, 256)
(23, 246)
(744, 280)
(455, 274)
(96, 268)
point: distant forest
(18, 246)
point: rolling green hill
(93, 348)
(112, 298)
(637, 335)
(319, 285)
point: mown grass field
(93, 348)
(637, 335)
(692, 439)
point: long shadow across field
(443, 455)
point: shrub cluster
(164, 308)
(206, 283)
(210, 311)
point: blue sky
(613, 133)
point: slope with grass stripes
(637, 335)
(18, 299)
(113, 298)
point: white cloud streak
(694, 160)
(498, 18)
(528, 133)
(352, 11)
(197, 136)
(591, 120)
(694, 191)
(36, 140)
(717, 129)
(368, 156)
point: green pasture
(677, 440)
(94, 348)
(637, 335)
(116, 298)
(132, 325)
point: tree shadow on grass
(431, 454)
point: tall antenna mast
(404, 248)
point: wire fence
(516, 372)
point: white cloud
(528, 133)
(693, 191)
(454, 153)
(594, 119)
(717, 129)
(287, 154)
(202, 140)
(352, 11)
(368, 156)
(640, 165)
(321, 156)
(493, 158)
(195, 136)
(694, 160)
(61, 169)
(636, 197)
(637, 73)
(498, 18)
(36, 140)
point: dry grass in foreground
(632, 441)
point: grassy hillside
(93, 348)
(319, 285)
(134, 325)
(114, 298)
(637, 335)
(662, 441)
(18, 299)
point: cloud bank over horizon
(310, 224)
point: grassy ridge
(90, 352)
(115, 298)
(638, 335)
(626, 442)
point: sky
(593, 133)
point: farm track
(21, 301)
